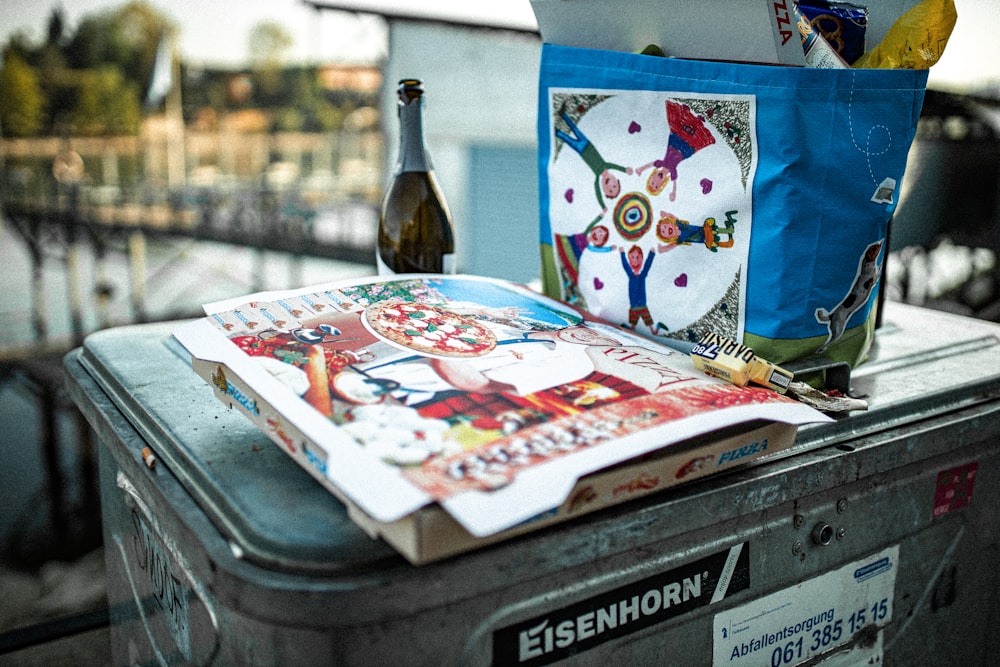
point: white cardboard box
(572, 400)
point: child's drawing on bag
(688, 134)
(653, 176)
(569, 248)
(606, 184)
(673, 232)
(637, 269)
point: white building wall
(481, 90)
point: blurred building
(953, 174)
(479, 65)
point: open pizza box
(451, 412)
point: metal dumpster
(873, 541)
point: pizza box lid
(483, 396)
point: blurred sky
(215, 32)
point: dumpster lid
(924, 363)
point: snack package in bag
(680, 197)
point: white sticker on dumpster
(849, 605)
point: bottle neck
(413, 154)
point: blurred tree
(289, 119)
(113, 53)
(138, 31)
(329, 118)
(56, 26)
(88, 79)
(87, 47)
(269, 41)
(306, 94)
(20, 45)
(107, 103)
(22, 102)
(56, 80)
(126, 37)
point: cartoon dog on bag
(864, 282)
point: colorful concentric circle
(633, 215)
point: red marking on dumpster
(954, 488)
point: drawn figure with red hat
(688, 135)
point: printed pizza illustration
(429, 329)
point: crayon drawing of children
(673, 232)
(637, 271)
(606, 183)
(688, 135)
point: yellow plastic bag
(916, 40)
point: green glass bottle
(415, 232)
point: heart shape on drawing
(706, 186)
(634, 127)
(681, 280)
(598, 283)
(569, 195)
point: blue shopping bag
(679, 197)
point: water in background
(180, 276)
(43, 497)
